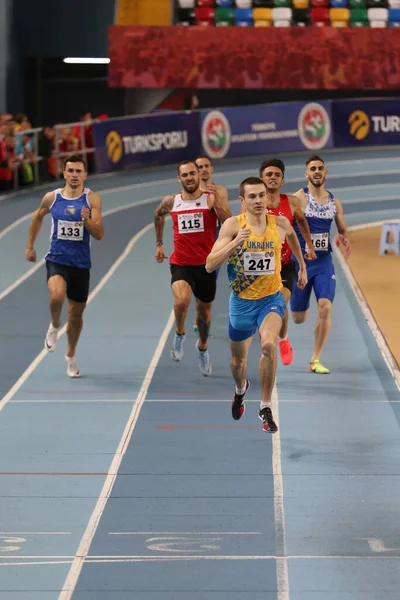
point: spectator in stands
(8, 161)
(191, 102)
(47, 166)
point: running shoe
(316, 367)
(177, 346)
(204, 361)
(238, 406)
(50, 341)
(269, 425)
(286, 351)
(72, 366)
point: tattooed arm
(164, 208)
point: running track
(134, 482)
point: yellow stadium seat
(339, 14)
(301, 4)
(339, 24)
(262, 23)
(262, 14)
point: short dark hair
(313, 158)
(186, 162)
(272, 162)
(74, 158)
(250, 181)
(203, 156)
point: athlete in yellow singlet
(251, 242)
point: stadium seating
(286, 13)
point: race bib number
(259, 263)
(320, 241)
(70, 230)
(191, 222)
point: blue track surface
(134, 482)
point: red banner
(254, 57)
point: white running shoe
(72, 366)
(50, 341)
(205, 365)
(177, 347)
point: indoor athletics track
(134, 482)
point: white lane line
(282, 573)
(103, 281)
(84, 546)
(75, 401)
(35, 533)
(184, 533)
(369, 317)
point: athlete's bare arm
(220, 202)
(36, 223)
(286, 231)
(230, 236)
(92, 217)
(342, 228)
(300, 195)
(163, 209)
(302, 222)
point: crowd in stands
(29, 156)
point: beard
(191, 188)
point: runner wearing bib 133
(320, 207)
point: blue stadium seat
(339, 3)
(394, 15)
(224, 3)
(243, 16)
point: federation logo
(359, 124)
(216, 134)
(114, 146)
(314, 126)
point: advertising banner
(366, 122)
(266, 129)
(145, 141)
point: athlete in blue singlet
(76, 215)
(320, 208)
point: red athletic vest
(195, 230)
(283, 210)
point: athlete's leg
(203, 321)
(239, 352)
(284, 329)
(322, 327)
(268, 330)
(182, 293)
(74, 325)
(57, 289)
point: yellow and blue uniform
(254, 269)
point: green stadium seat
(224, 16)
(357, 4)
(283, 3)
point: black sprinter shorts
(77, 280)
(289, 276)
(203, 284)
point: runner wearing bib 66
(320, 207)
(272, 172)
(194, 214)
(76, 215)
(252, 243)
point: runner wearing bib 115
(194, 214)
(320, 208)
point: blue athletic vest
(69, 238)
(319, 219)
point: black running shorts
(203, 284)
(288, 274)
(77, 280)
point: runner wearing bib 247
(252, 242)
(320, 208)
(76, 216)
(194, 214)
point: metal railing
(56, 154)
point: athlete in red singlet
(194, 216)
(272, 172)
